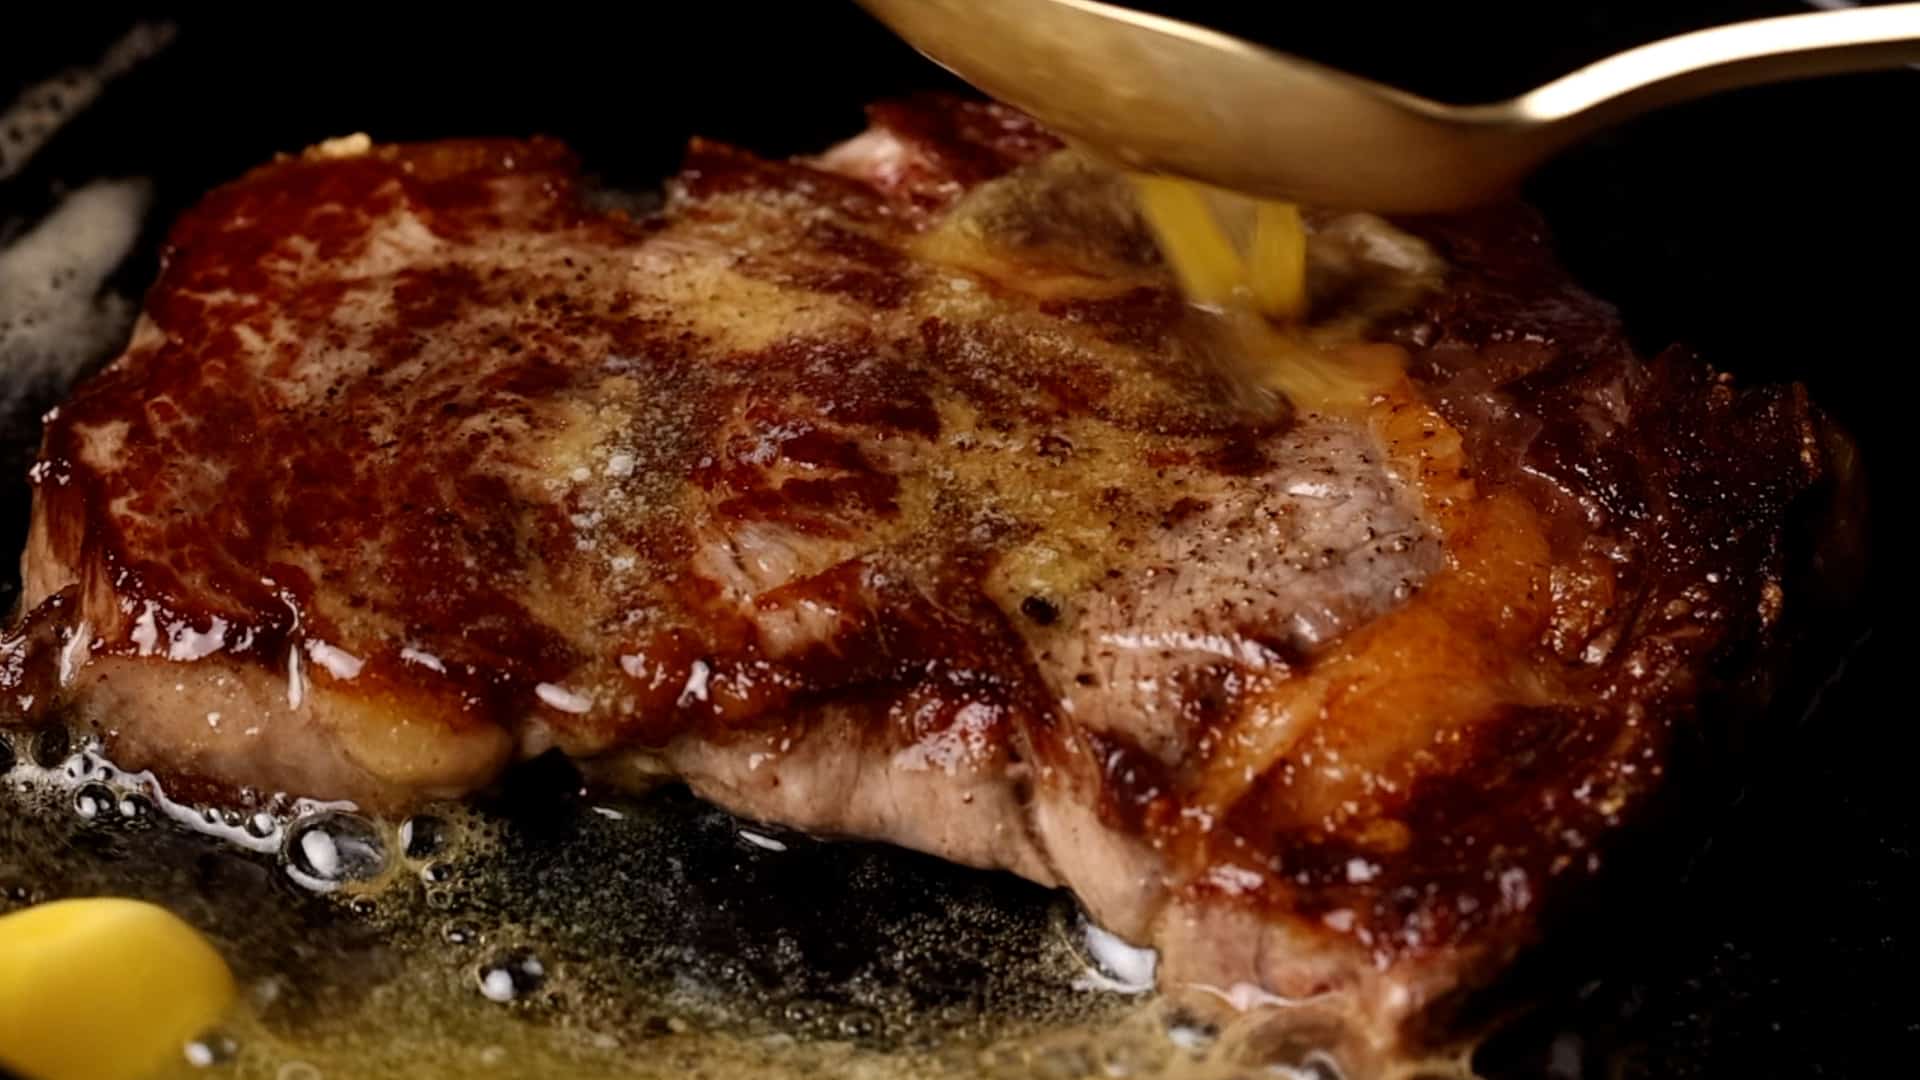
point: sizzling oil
(545, 933)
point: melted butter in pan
(541, 934)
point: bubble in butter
(103, 989)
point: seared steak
(897, 494)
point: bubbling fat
(41, 110)
(470, 936)
(56, 317)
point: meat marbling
(892, 494)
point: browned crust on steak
(939, 532)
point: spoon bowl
(1161, 95)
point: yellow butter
(1254, 276)
(1277, 265)
(1186, 219)
(1200, 252)
(103, 989)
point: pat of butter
(1271, 275)
(345, 146)
(1255, 277)
(1199, 251)
(103, 989)
(1277, 265)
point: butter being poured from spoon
(1255, 278)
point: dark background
(1774, 229)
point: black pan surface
(1774, 229)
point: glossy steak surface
(895, 493)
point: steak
(896, 494)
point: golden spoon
(1166, 96)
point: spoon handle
(1725, 58)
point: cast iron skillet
(1773, 229)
